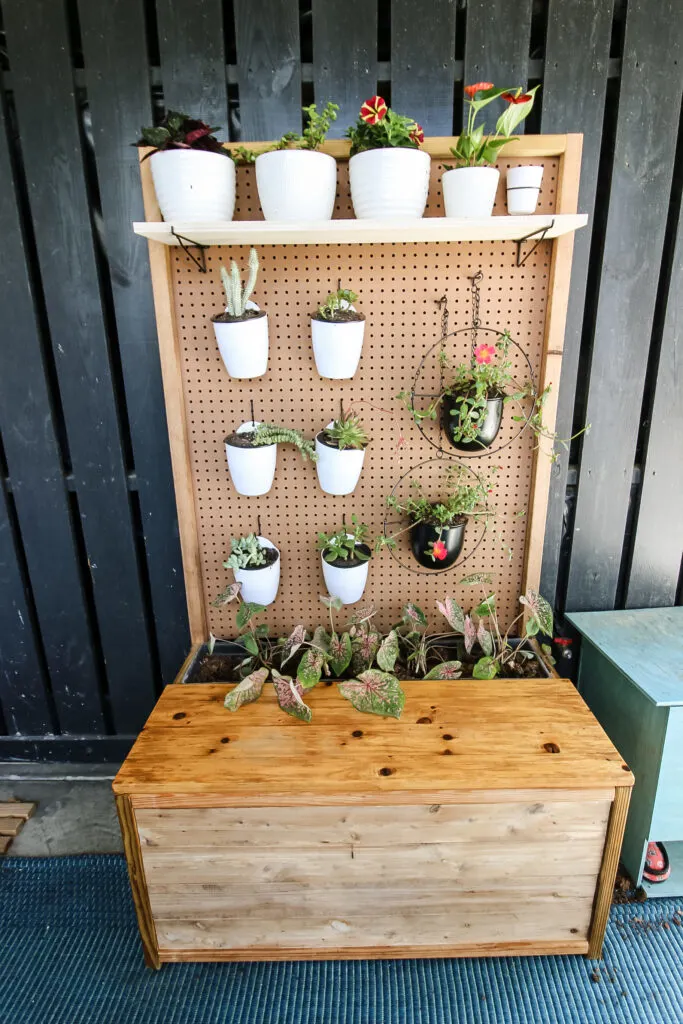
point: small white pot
(252, 469)
(296, 185)
(338, 471)
(523, 184)
(389, 184)
(347, 584)
(260, 585)
(337, 347)
(194, 186)
(470, 191)
(243, 345)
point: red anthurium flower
(439, 550)
(417, 135)
(484, 353)
(198, 133)
(511, 98)
(478, 87)
(373, 110)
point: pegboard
(398, 287)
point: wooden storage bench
(487, 821)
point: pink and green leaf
(340, 653)
(485, 639)
(292, 644)
(289, 696)
(446, 670)
(453, 614)
(485, 668)
(470, 631)
(539, 609)
(413, 615)
(375, 692)
(388, 652)
(248, 690)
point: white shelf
(425, 229)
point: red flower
(478, 87)
(417, 135)
(484, 353)
(511, 98)
(439, 550)
(373, 110)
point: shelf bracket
(539, 234)
(186, 244)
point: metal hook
(251, 406)
(258, 525)
(188, 243)
(541, 232)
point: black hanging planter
(423, 535)
(488, 428)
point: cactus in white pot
(242, 330)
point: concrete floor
(75, 812)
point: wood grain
(608, 870)
(136, 874)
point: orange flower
(511, 98)
(484, 353)
(417, 135)
(373, 110)
(478, 87)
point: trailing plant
(474, 149)
(336, 303)
(345, 543)
(380, 127)
(246, 552)
(267, 433)
(347, 431)
(316, 126)
(236, 296)
(180, 131)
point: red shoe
(657, 867)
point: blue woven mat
(69, 954)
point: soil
(325, 439)
(225, 318)
(270, 555)
(345, 316)
(625, 889)
(243, 440)
(458, 521)
(349, 563)
(467, 394)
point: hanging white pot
(243, 344)
(260, 583)
(470, 191)
(346, 580)
(252, 470)
(337, 346)
(338, 471)
(389, 184)
(192, 185)
(523, 185)
(296, 185)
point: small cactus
(237, 297)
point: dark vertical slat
(423, 62)
(193, 66)
(118, 93)
(39, 492)
(37, 40)
(573, 100)
(344, 72)
(658, 544)
(268, 68)
(641, 183)
(497, 48)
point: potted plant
(194, 176)
(340, 448)
(523, 184)
(389, 173)
(345, 557)
(337, 332)
(242, 330)
(255, 562)
(252, 455)
(469, 189)
(294, 181)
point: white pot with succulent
(242, 330)
(251, 451)
(345, 560)
(340, 448)
(337, 331)
(255, 562)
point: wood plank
(36, 39)
(644, 154)
(5, 842)
(117, 78)
(11, 826)
(439, 147)
(16, 809)
(268, 68)
(345, 74)
(497, 49)
(193, 64)
(138, 883)
(423, 62)
(573, 99)
(608, 871)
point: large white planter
(338, 471)
(252, 470)
(194, 186)
(347, 584)
(296, 185)
(470, 191)
(337, 347)
(389, 184)
(243, 345)
(260, 584)
(523, 184)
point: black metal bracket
(541, 233)
(186, 244)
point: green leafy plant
(316, 126)
(246, 552)
(347, 431)
(267, 433)
(345, 543)
(336, 303)
(379, 127)
(474, 149)
(237, 297)
(180, 131)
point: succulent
(343, 543)
(348, 432)
(336, 302)
(245, 552)
(237, 297)
(266, 433)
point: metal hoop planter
(459, 560)
(415, 394)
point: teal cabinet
(631, 677)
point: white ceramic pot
(470, 191)
(252, 469)
(243, 345)
(523, 184)
(389, 184)
(348, 583)
(296, 184)
(260, 584)
(338, 471)
(337, 347)
(194, 186)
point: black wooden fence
(92, 617)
